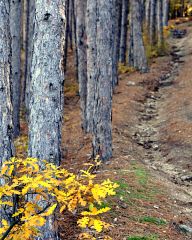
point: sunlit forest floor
(152, 137)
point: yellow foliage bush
(125, 69)
(32, 193)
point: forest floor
(152, 141)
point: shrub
(32, 192)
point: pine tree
(47, 78)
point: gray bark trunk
(124, 27)
(46, 102)
(160, 23)
(152, 28)
(100, 73)
(65, 58)
(137, 56)
(70, 24)
(147, 12)
(75, 38)
(15, 29)
(6, 126)
(91, 26)
(117, 11)
(80, 7)
(165, 12)
(28, 51)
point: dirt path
(165, 126)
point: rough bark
(165, 12)
(152, 28)
(74, 31)
(46, 102)
(137, 56)
(6, 126)
(160, 23)
(124, 27)
(70, 32)
(80, 6)
(15, 29)
(91, 26)
(117, 11)
(28, 51)
(100, 73)
(147, 13)
(66, 36)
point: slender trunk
(91, 26)
(70, 33)
(46, 101)
(147, 13)
(74, 31)
(137, 56)
(6, 126)
(66, 36)
(160, 40)
(152, 28)
(100, 73)
(117, 11)
(80, 7)
(165, 12)
(29, 51)
(15, 29)
(124, 26)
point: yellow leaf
(62, 208)
(98, 225)
(50, 211)
(4, 222)
(83, 222)
(4, 169)
(10, 170)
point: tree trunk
(165, 12)
(6, 126)
(137, 56)
(28, 51)
(117, 11)
(65, 57)
(15, 29)
(91, 26)
(152, 28)
(80, 7)
(147, 13)
(74, 31)
(70, 33)
(100, 74)
(124, 26)
(160, 40)
(46, 101)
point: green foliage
(156, 221)
(141, 175)
(152, 237)
(31, 192)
